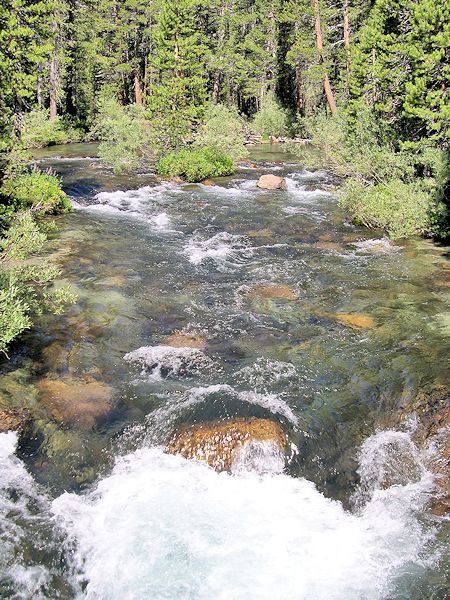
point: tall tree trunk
(300, 101)
(39, 88)
(53, 75)
(319, 45)
(218, 74)
(346, 27)
(347, 43)
(216, 86)
(137, 89)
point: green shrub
(124, 135)
(169, 131)
(355, 147)
(401, 209)
(26, 283)
(271, 119)
(39, 191)
(39, 131)
(223, 129)
(399, 190)
(196, 164)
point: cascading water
(160, 526)
(295, 317)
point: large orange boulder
(219, 442)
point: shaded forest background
(173, 57)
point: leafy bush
(39, 131)
(271, 120)
(35, 190)
(223, 129)
(401, 209)
(124, 135)
(400, 191)
(196, 164)
(26, 283)
(170, 131)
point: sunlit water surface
(103, 513)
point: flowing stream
(305, 319)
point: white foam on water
(297, 188)
(142, 203)
(226, 250)
(376, 246)
(163, 418)
(306, 174)
(137, 204)
(163, 527)
(138, 198)
(166, 361)
(17, 493)
(264, 372)
(238, 189)
(262, 458)
(161, 221)
(305, 211)
(67, 159)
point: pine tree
(401, 69)
(25, 45)
(427, 98)
(179, 94)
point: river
(307, 320)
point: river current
(307, 319)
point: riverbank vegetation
(196, 164)
(367, 82)
(26, 281)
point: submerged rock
(431, 410)
(218, 443)
(76, 401)
(185, 340)
(16, 391)
(260, 233)
(14, 419)
(208, 182)
(327, 245)
(272, 291)
(55, 357)
(356, 320)
(272, 182)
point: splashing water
(159, 361)
(20, 504)
(227, 251)
(163, 527)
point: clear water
(104, 513)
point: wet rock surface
(353, 320)
(272, 182)
(217, 443)
(77, 402)
(14, 419)
(428, 414)
(271, 291)
(185, 340)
